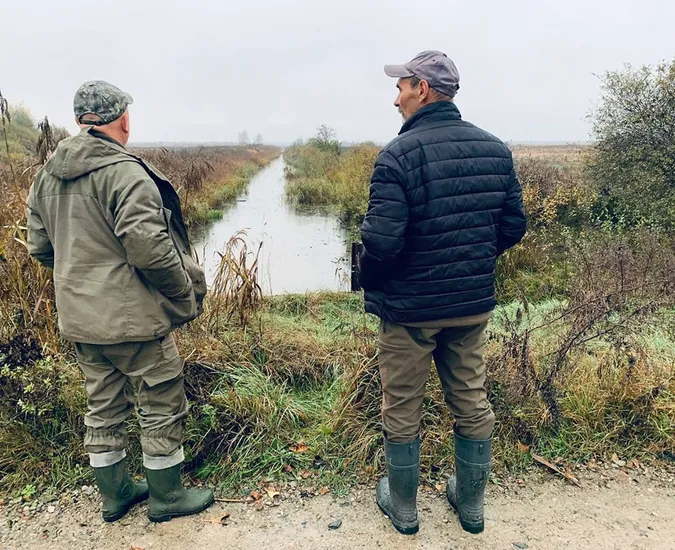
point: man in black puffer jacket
(444, 204)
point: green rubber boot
(169, 499)
(397, 493)
(118, 491)
(466, 489)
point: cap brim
(397, 71)
(129, 99)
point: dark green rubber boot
(397, 493)
(118, 491)
(169, 499)
(466, 489)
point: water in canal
(302, 251)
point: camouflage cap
(98, 97)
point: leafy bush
(633, 167)
(320, 177)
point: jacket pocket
(91, 310)
(179, 310)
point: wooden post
(357, 249)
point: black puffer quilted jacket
(444, 204)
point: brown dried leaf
(523, 448)
(324, 491)
(299, 447)
(272, 492)
(219, 520)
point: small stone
(520, 545)
(335, 525)
(51, 509)
(88, 490)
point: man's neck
(104, 136)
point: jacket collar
(434, 112)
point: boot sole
(124, 511)
(475, 528)
(161, 518)
(402, 530)
(116, 517)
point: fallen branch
(553, 467)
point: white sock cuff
(163, 462)
(102, 460)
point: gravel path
(614, 508)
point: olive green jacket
(111, 228)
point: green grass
(304, 373)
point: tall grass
(329, 178)
(580, 357)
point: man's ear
(125, 122)
(424, 89)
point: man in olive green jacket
(111, 228)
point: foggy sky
(207, 69)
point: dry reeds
(235, 291)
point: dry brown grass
(565, 155)
(207, 178)
(235, 293)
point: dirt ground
(616, 508)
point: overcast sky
(206, 69)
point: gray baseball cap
(98, 97)
(433, 66)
